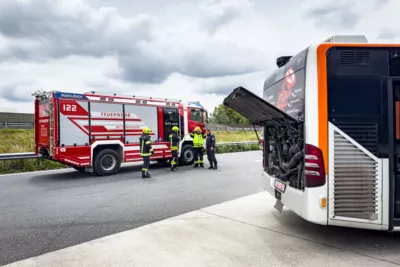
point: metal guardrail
(31, 155)
(237, 143)
(11, 156)
(16, 125)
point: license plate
(280, 185)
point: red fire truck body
(97, 132)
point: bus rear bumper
(268, 183)
(305, 204)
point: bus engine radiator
(356, 176)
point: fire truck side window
(170, 115)
(196, 115)
(171, 118)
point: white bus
(331, 126)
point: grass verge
(236, 148)
(17, 141)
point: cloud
(192, 50)
(47, 29)
(388, 34)
(15, 91)
(333, 14)
(56, 29)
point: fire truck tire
(107, 162)
(187, 155)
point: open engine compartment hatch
(256, 109)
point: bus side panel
(307, 203)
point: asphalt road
(47, 211)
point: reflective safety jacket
(174, 141)
(145, 146)
(198, 139)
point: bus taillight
(314, 167)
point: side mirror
(280, 61)
(206, 116)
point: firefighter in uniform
(198, 141)
(174, 146)
(210, 147)
(146, 150)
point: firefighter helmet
(146, 130)
(175, 128)
(197, 129)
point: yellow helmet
(197, 129)
(175, 128)
(146, 130)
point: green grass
(235, 136)
(16, 141)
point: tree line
(225, 115)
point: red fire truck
(97, 132)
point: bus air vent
(366, 134)
(355, 58)
(355, 178)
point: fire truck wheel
(107, 162)
(187, 155)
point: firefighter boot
(215, 166)
(173, 167)
(211, 167)
(201, 165)
(196, 165)
(145, 174)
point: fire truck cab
(97, 132)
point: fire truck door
(171, 118)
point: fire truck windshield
(198, 115)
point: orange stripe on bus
(323, 103)
(323, 93)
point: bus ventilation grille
(352, 58)
(366, 134)
(355, 181)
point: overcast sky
(189, 50)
